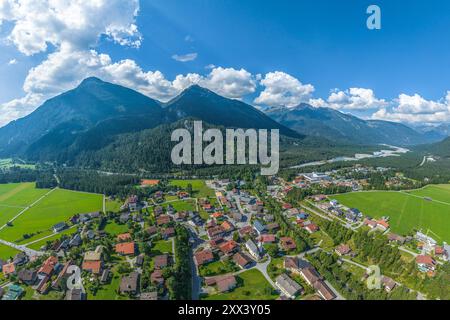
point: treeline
(95, 182)
(180, 283)
(16, 175)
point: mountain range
(99, 124)
(337, 126)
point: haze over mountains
(97, 120)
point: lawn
(199, 187)
(113, 205)
(217, 267)
(109, 290)
(162, 246)
(407, 212)
(251, 286)
(37, 245)
(57, 207)
(182, 205)
(7, 252)
(115, 229)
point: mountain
(66, 116)
(200, 103)
(74, 126)
(439, 149)
(337, 126)
(436, 132)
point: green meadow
(55, 207)
(427, 208)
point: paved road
(262, 267)
(28, 251)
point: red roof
(8, 268)
(312, 227)
(267, 238)
(423, 259)
(49, 264)
(228, 246)
(93, 266)
(383, 223)
(126, 248)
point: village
(238, 249)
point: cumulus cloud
(185, 57)
(77, 23)
(283, 90)
(416, 109)
(355, 99)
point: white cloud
(12, 62)
(185, 57)
(283, 90)
(414, 109)
(77, 23)
(355, 99)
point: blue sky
(319, 48)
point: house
(323, 290)
(168, 233)
(245, 231)
(383, 225)
(259, 227)
(95, 267)
(140, 260)
(272, 227)
(158, 211)
(267, 238)
(288, 244)
(310, 275)
(372, 224)
(95, 255)
(294, 264)
(161, 261)
(311, 228)
(162, 220)
(253, 249)
(215, 232)
(14, 292)
(203, 257)
(8, 269)
(75, 295)
(20, 259)
(130, 284)
(124, 237)
(286, 206)
(224, 283)
(287, 286)
(125, 248)
(388, 283)
(149, 183)
(392, 237)
(242, 260)
(59, 227)
(132, 203)
(105, 276)
(425, 263)
(229, 247)
(157, 277)
(152, 230)
(227, 226)
(27, 277)
(48, 266)
(76, 241)
(342, 249)
(124, 217)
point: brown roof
(203, 257)
(124, 237)
(310, 274)
(288, 243)
(241, 259)
(162, 219)
(324, 290)
(423, 259)
(93, 266)
(49, 264)
(343, 249)
(161, 261)
(130, 283)
(228, 246)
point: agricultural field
(7, 252)
(43, 208)
(427, 208)
(251, 286)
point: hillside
(337, 126)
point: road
(28, 251)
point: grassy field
(56, 207)
(407, 211)
(115, 229)
(37, 245)
(162, 246)
(7, 252)
(199, 187)
(252, 286)
(182, 205)
(8, 163)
